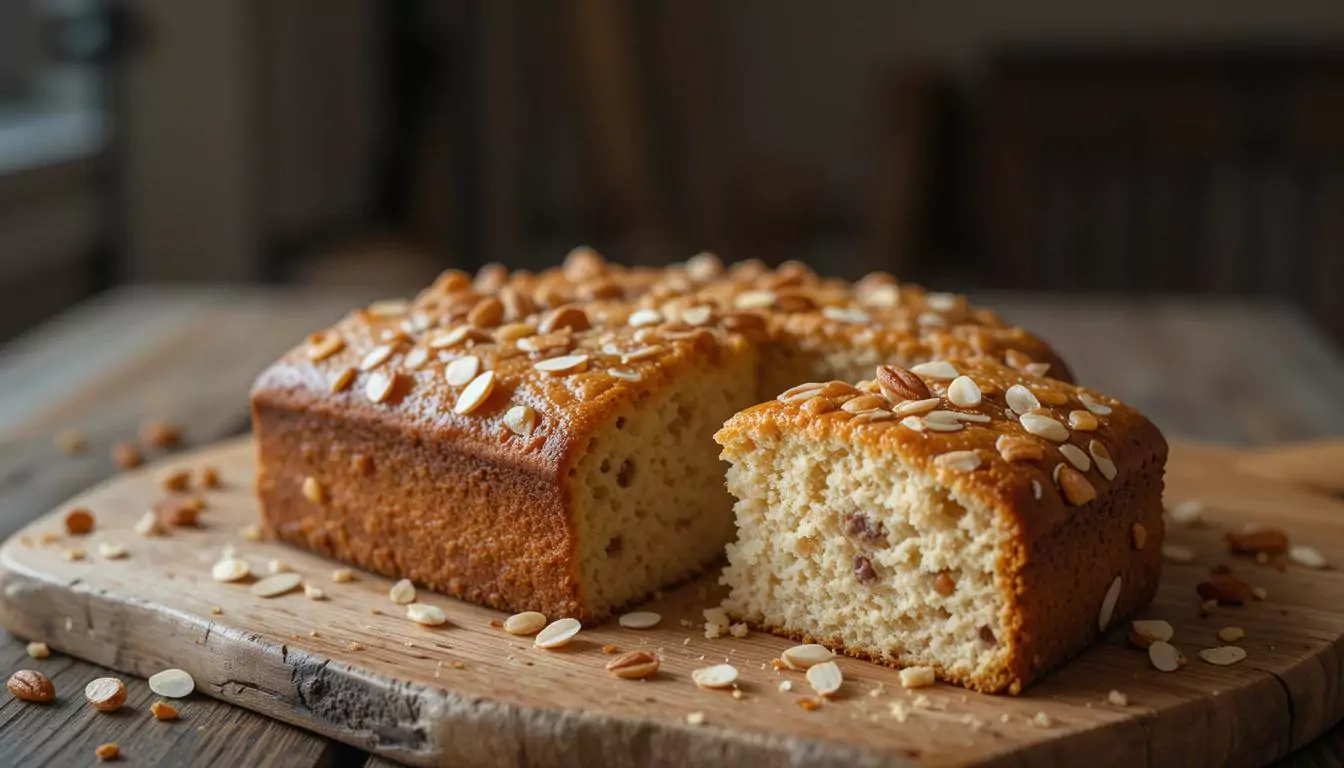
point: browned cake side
(975, 546)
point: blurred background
(1143, 147)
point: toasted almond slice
(1108, 604)
(1139, 535)
(525, 623)
(416, 358)
(1164, 656)
(376, 357)
(325, 347)
(936, 370)
(475, 393)
(1093, 405)
(1103, 459)
(313, 593)
(562, 365)
(635, 665)
(959, 461)
(342, 380)
(1145, 632)
(1044, 426)
(640, 620)
(643, 353)
(462, 370)
(1307, 556)
(1076, 457)
(1223, 655)
(754, 300)
(1231, 634)
(916, 407)
(342, 575)
(914, 423)
(1082, 421)
(426, 614)
(1021, 400)
(379, 386)
(172, 683)
(918, 677)
(402, 593)
(521, 420)
(274, 586)
(963, 392)
(642, 317)
(846, 315)
(231, 569)
(111, 550)
(805, 656)
(557, 633)
(825, 678)
(717, 676)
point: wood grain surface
(469, 694)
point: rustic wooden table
(1231, 372)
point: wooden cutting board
(467, 694)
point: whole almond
(634, 665)
(1270, 541)
(31, 685)
(900, 384)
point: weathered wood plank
(399, 691)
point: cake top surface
(1010, 437)
(522, 359)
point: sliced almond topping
(1076, 488)
(521, 420)
(1165, 657)
(426, 614)
(697, 316)
(805, 656)
(526, 623)
(1103, 459)
(1076, 457)
(562, 365)
(643, 317)
(1223, 656)
(640, 620)
(1093, 405)
(476, 393)
(846, 315)
(1145, 632)
(1108, 604)
(959, 461)
(916, 407)
(825, 678)
(644, 353)
(1308, 557)
(376, 357)
(325, 347)
(1021, 399)
(342, 380)
(231, 569)
(1231, 634)
(1017, 448)
(754, 300)
(379, 386)
(462, 370)
(1044, 426)
(558, 633)
(963, 392)
(717, 676)
(416, 358)
(274, 586)
(913, 423)
(917, 677)
(1139, 534)
(1082, 421)
(312, 490)
(569, 316)
(864, 403)
(936, 370)
(402, 593)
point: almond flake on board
(717, 676)
(801, 657)
(557, 633)
(525, 623)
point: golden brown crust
(394, 383)
(1063, 555)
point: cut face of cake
(545, 441)
(965, 516)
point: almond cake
(985, 521)
(543, 441)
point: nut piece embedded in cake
(973, 541)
